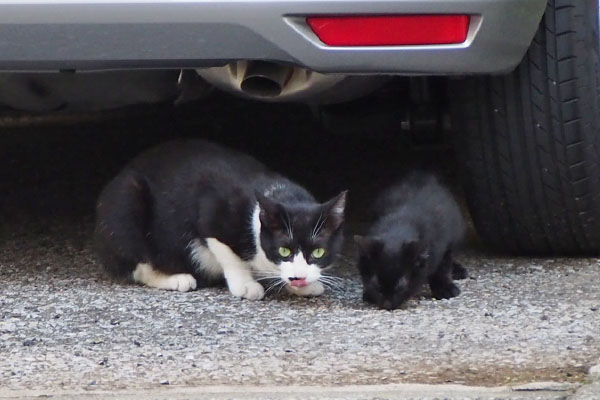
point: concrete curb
(592, 390)
(536, 390)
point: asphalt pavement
(69, 331)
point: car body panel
(48, 35)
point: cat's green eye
(284, 252)
(318, 253)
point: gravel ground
(65, 325)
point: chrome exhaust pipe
(265, 79)
(268, 81)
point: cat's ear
(270, 213)
(334, 209)
(368, 246)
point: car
(519, 79)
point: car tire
(528, 142)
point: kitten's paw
(180, 282)
(459, 272)
(314, 289)
(250, 290)
(445, 291)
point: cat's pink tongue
(299, 282)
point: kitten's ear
(270, 212)
(368, 246)
(334, 209)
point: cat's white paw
(180, 282)
(250, 290)
(146, 274)
(314, 289)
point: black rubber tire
(528, 142)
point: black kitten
(417, 224)
(192, 213)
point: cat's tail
(123, 216)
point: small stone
(7, 327)
(92, 383)
(29, 342)
(135, 342)
(594, 372)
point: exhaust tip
(274, 82)
(265, 79)
(261, 86)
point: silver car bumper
(108, 34)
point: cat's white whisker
(333, 282)
(268, 289)
(267, 276)
(261, 273)
(333, 278)
(312, 234)
(273, 286)
(332, 287)
(330, 279)
(282, 286)
(288, 226)
(330, 276)
(336, 284)
(264, 278)
(318, 226)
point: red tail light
(395, 30)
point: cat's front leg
(441, 284)
(237, 272)
(242, 285)
(314, 289)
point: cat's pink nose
(298, 282)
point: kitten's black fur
(183, 191)
(417, 226)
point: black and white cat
(417, 225)
(192, 213)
